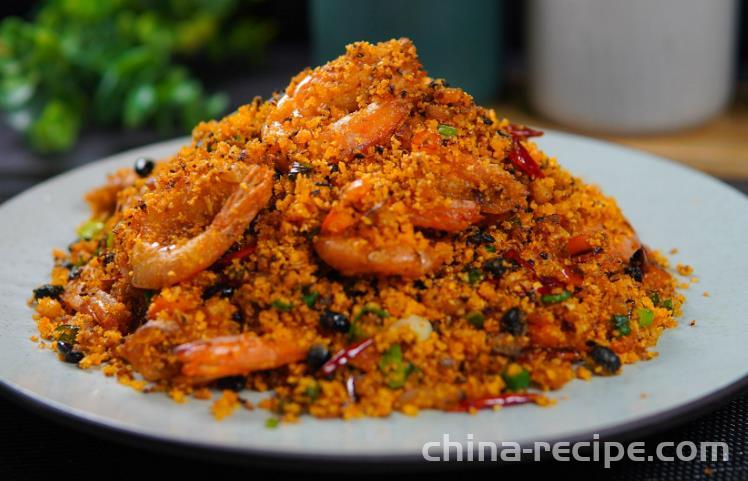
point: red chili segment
(513, 255)
(522, 131)
(342, 357)
(240, 254)
(568, 276)
(521, 159)
(578, 245)
(504, 400)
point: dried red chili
(578, 245)
(342, 357)
(569, 276)
(521, 159)
(504, 400)
(522, 131)
(240, 254)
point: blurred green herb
(117, 63)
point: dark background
(33, 446)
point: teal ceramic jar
(458, 41)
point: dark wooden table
(32, 445)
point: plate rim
(104, 427)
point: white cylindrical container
(633, 66)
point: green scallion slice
(447, 130)
(621, 324)
(90, 229)
(555, 298)
(646, 317)
(476, 319)
(282, 305)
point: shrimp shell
(155, 266)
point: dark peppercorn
(317, 356)
(635, 269)
(513, 322)
(75, 271)
(48, 290)
(480, 237)
(543, 255)
(231, 383)
(635, 272)
(379, 149)
(298, 168)
(487, 121)
(495, 266)
(144, 167)
(335, 321)
(107, 258)
(68, 354)
(606, 358)
(217, 290)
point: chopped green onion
(395, 371)
(476, 319)
(110, 240)
(655, 298)
(666, 303)
(312, 392)
(490, 248)
(447, 130)
(621, 324)
(282, 306)
(517, 381)
(474, 276)
(646, 317)
(555, 298)
(90, 229)
(310, 298)
(372, 309)
(66, 333)
(356, 332)
(272, 423)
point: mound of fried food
(369, 241)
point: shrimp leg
(155, 266)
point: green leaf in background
(15, 92)
(55, 129)
(116, 64)
(139, 104)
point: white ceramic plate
(671, 206)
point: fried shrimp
(344, 248)
(349, 108)
(366, 127)
(155, 266)
(353, 256)
(232, 355)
